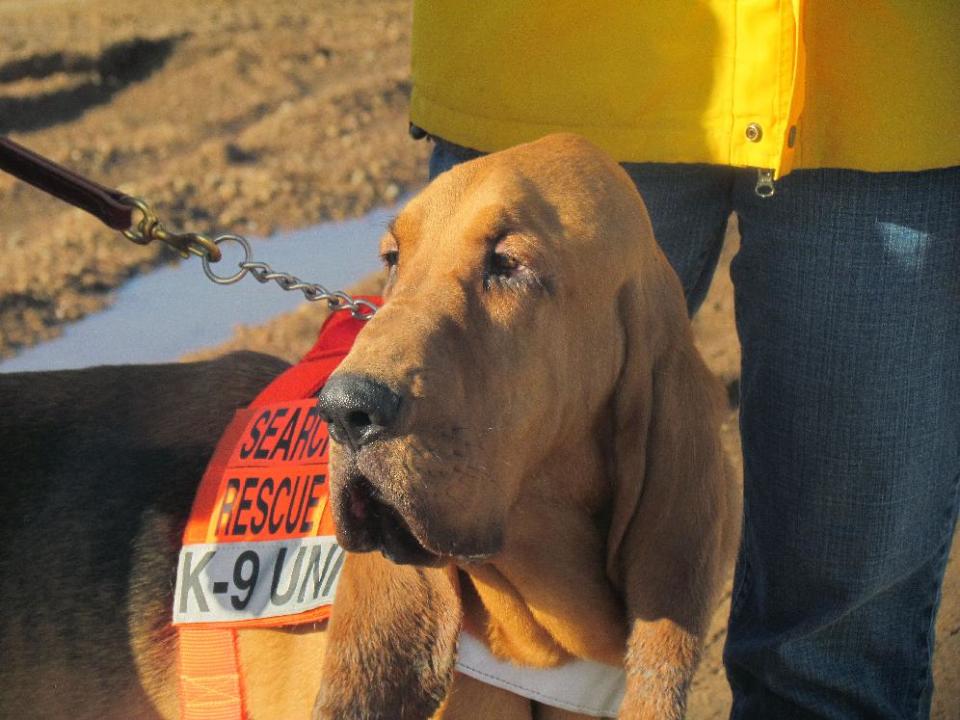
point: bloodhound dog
(525, 432)
(529, 406)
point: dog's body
(99, 470)
(98, 481)
(536, 418)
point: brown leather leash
(117, 210)
(111, 207)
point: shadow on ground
(84, 81)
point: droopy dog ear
(392, 641)
(676, 514)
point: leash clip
(149, 228)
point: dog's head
(501, 341)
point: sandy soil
(247, 116)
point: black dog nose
(358, 408)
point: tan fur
(469, 698)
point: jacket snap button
(754, 132)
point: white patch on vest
(227, 582)
(581, 686)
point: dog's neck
(546, 597)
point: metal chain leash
(208, 249)
(261, 272)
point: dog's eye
(390, 258)
(506, 270)
(502, 264)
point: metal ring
(363, 309)
(228, 279)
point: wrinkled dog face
(500, 302)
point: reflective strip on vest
(580, 686)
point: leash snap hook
(191, 243)
(149, 228)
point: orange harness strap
(209, 668)
(209, 674)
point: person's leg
(688, 206)
(447, 154)
(848, 309)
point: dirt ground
(240, 115)
(247, 116)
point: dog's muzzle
(366, 522)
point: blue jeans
(848, 309)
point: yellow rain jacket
(774, 84)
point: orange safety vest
(771, 84)
(259, 548)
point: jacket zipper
(764, 187)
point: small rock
(236, 155)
